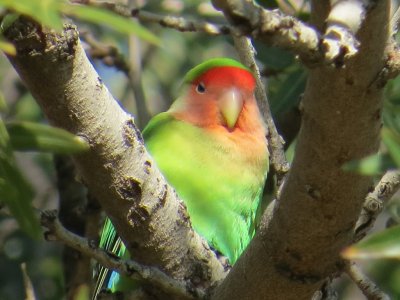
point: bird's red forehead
(228, 76)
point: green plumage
(214, 182)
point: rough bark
(273, 27)
(117, 170)
(315, 216)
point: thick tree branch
(129, 268)
(314, 219)
(117, 170)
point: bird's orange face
(221, 96)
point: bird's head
(218, 92)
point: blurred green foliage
(164, 55)
(385, 244)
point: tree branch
(109, 54)
(274, 28)
(181, 24)
(368, 288)
(314, 218)
(149, 217)
(270, 26)
(275, 141)
(177, 23)
(343, 22)
(392, 67)
(128, 268)
(287, 32)
(375, 202)
(135, 81)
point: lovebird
(211, 147)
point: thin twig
(129, 268)
(109, 54)
(326, 292)
(112, 57)
(375, 201)
(181, 24)
(135, 79)
(392, 67)
(367, 287)
(177, 23)
(275, 141)
(29, 291)
(394, 22)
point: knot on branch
(373, 205)
(131, 133)
(138, 215)
(30, 39)
(339, 44)
(130, 189)
(49, 219)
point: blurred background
(128, 64)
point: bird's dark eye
(200, 88)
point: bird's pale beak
(230, 105)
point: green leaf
(272, 57)
(385, 244)
(102, 16)
(27, 109)
(289, 92)
(375, 164)
(8, 20)
(29, 136)
(15, 191)
(45, 12)
(268, 3)
(392, 142)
